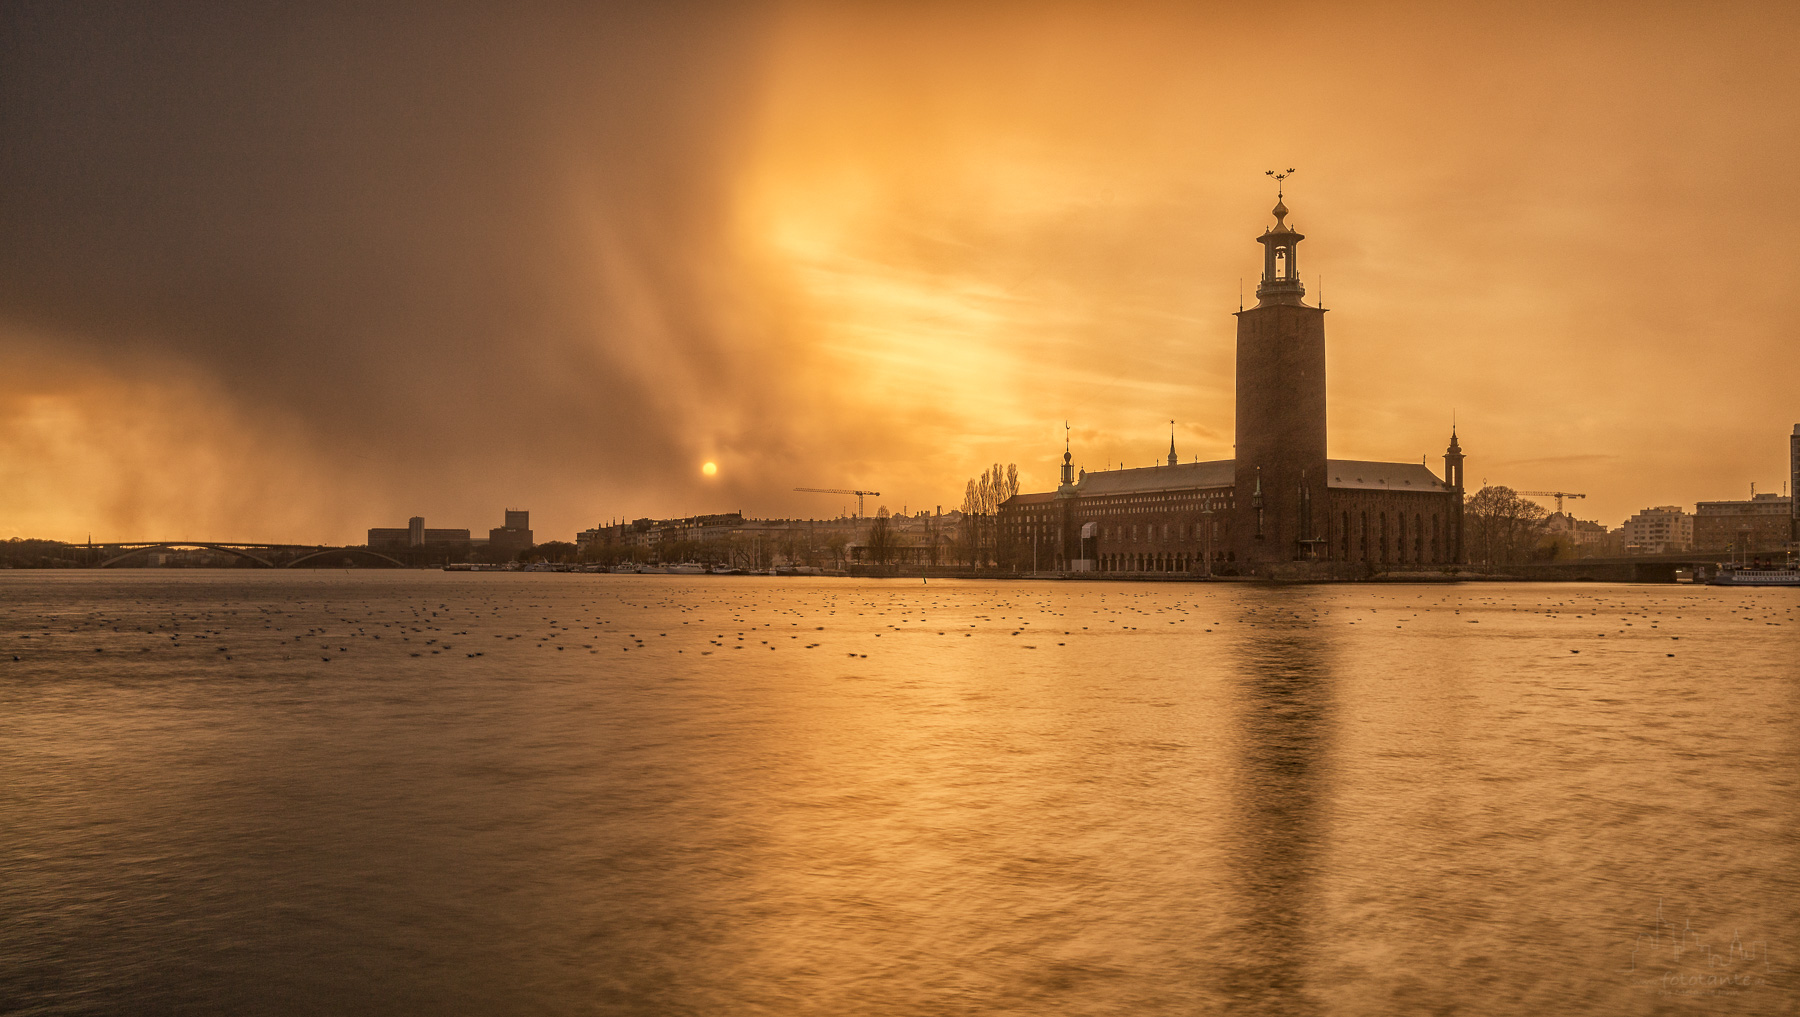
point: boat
(1757, 574)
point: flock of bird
(470, 618)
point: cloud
(456, 261)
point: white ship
(1760, 574)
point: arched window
(1363, 538)
(1344, 537)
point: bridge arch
(345, 551)
(173, 545)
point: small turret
(1453, 460)
(1453, 479)
(1172, 457)
(1256, 502)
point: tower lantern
(1281, 267)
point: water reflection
(546, 795)
(1283, 704)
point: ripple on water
(425, 793)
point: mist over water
(433, 793)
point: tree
(1502, 527)
(880, 541)
(982, 498)
(551, 551)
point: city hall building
(1280, 501)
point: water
(426, 793)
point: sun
(710, 468)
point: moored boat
(1757, 574)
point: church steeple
(1172, 459)
(1280, 282)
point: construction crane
(839, 490)
(1558, 495)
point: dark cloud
(436, 237)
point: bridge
(1640, 568)
(259, 555)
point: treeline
(32, 553)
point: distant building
(1763, 523)
(728, 536)
(1794, 487)
(415, 535)
(1585, 536)
(1658, 530)
(507, 541)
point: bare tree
(880, 541)
(982, 498)
(1502, 527)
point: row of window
(1195, 501)
(1375, 540)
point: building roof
(1180, 477)
(1353, 474)
(1774, 504)
(1358, 474)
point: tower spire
(1172, 458)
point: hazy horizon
(287, 275)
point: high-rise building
(507, 541)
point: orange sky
(370, 271)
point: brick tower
(1280, 472)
